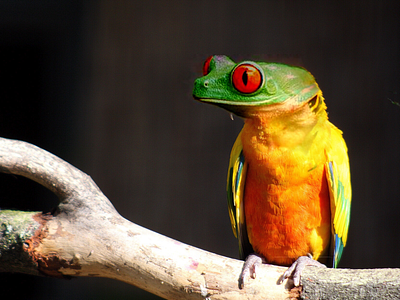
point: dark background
(106, 85)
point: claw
(250, 268)
(298, 266)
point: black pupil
(245, 78)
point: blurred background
(106, 85)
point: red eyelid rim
(256, 66)
(206, 65)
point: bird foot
(250, 268)
(298, 266)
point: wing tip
(337, 254)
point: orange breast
(287, 205)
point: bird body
(286, 196)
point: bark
(85, 236)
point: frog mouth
(249, 109)
(221, 102)
(243, 110)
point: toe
(289, 271)
(297, 268)
(250, 268)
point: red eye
(246, 78)
(206, 66)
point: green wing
(338, 175)
(235, 192)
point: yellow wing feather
(235, 192)
(338, 175)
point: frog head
(247, 87)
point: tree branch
(86, 236)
